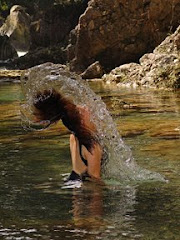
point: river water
(34, 206)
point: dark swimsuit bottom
(74, 176)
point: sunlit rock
(161, 68)
(117, 32)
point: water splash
(118, 161)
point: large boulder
(52, 25)
(161, 68)
(17, 28)
(7, 51)
(120, 31)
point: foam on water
(118, 161)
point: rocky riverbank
(112, 40)
(161, 68)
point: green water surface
(32, 203)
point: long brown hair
(52, 106)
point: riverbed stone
(95, 70)
(10, 74)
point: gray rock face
(161, 68)
(17, 28)
(120, 31)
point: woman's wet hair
(51, 106)
(47, 106)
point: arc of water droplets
(118, 163)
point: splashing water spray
(118, 163)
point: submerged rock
(161, 68)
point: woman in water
(86, 151)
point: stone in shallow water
(12, 74)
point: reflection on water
(32, 203)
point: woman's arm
(77, 164)
(94, 160)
